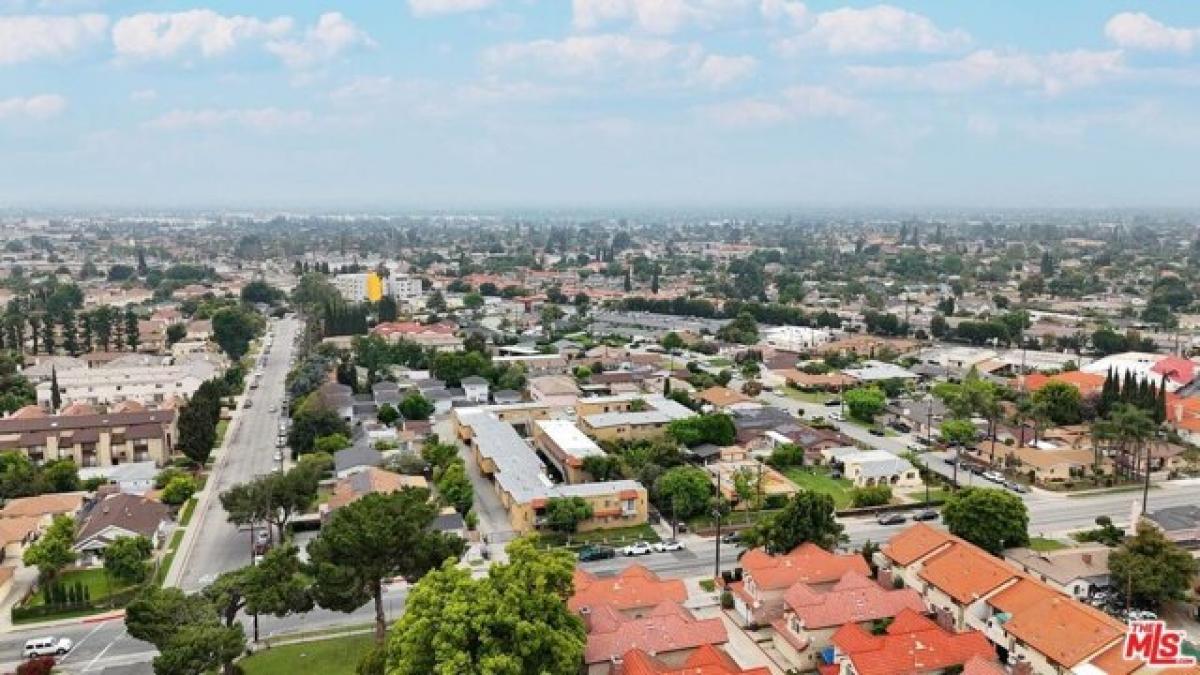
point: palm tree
(1131, 427)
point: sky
(459, 104)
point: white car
(669, 545)
(637, 548)
(837, 417)
(994, 476)
(272, 409)
(46, 646)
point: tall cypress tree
(55, 393)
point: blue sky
(455, 104)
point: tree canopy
(807, 517)
(991, 518)
(1152, 567)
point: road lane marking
(103, 652)
(75, 647)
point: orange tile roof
(1112, 661)
(43, 505)
(915, 543)
(980, 666)
(1021, 596)
(912, 644)
(666, 628)
(1086, 383)
(966, 573)
(633, 588)
(722, 396)
(807, 563)
(1064, 630)
(854, 599)
(707, 660)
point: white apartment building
(148, 382)
(369, 286)
(352, 287)
(795, 338)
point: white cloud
(718, 71)
(41, 107)
(364, 88)
(791, 10)
(875, 30)
(323, 42)
(794, 103)
(984, 126)
(1135, 30)
(1052, 73)
(590, 55)
(425, 8)
(143, 95)
(28, 38)
(259, 119)
(654, 16)
(200, 31)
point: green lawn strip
(818, 397)
(738, 519)
(612, 537)
(185, 514)
(935, 495)
(816, 481)
(97, 582)
(1045, 545)
(1099, 492)
(719, 363)
(281, 639)
(335, 656)
(222, 427)
(59, 616)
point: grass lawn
(719, 362)
(1044, 545)
(222, 427)
(98, 585)
(838, 488)
(614, 537)
(1099, 492)
(185, 514)
(940, 494)
(737, 519)
(335, 656)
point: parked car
(732, 538)
(1019, 488)
(46, 646)
(637, 548)
(925, 514)
(837, 417)
(833, 402)
(876, 431)
(891, 518)
(901, 427)
(994, 476)
(249, 404)
(272, 409)
(588, 553)
(668, 545)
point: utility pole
(717, 516)
(252, 556)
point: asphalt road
(217, 546)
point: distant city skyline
(456, 105)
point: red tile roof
(807, 563)
(707, 660)
(667, 627)
(912, 644)
(915, 543)
(966, 573)
(1177, 369)
(633, 588)
(1064, 630)
(855, 599)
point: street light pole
(252, 544)
(717, 516)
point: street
(212, 545)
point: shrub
(726, 600)
(876, 495)
(41, 665)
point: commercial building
(525, 488)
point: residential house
(370, 480)
(339, 398)
(632, 591)
(666, 630)
(1078, 572)
(475, 389)
(758, 597)
(911, 644)
(135, 478)
(706, 660)
(120, 515)
(554, 390)
(868, 468)
(15, 533)
(628, 417)
(1180, 524)
(353, 460)
(439, 336)
(765, 481)
(810, 617)
(725, 399)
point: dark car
(876, 431)
(732, 538)
(891, 519)
(1013, 485)
(901, 427)
(925, 514)
(833, 402)
(588, 553)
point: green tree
(864, 403)
(511, 622)
(53, 551)
(125, 559)
(157, 614)
(15, 391)
(375, 538)
(472, 301)
(807, 517)
(564, 514)
(387, 414)
(176, 332)
(311, 421)
(717, 428)
(992, 519)
(233, 328)
(178, 490)
(958, 432)
(60, 476)
(602, 467)
(454, 486)
(743, 329)
(1061, 402)
(683, 491)
(1152, 567)
(331, 443)
(438, 454)
(671, 341)
(875, 495)
(199, 648)
(416, 407)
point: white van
(46, 646)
